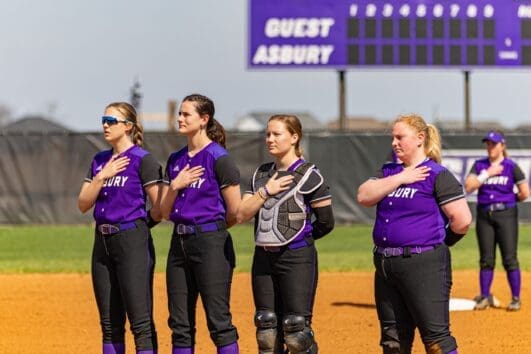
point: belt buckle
(183, 229)
(271, 248)
(108, 229)
(389, 251)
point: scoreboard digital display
(340, 33)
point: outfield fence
(42, 173)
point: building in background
(257, 121)
(34, 125)
(361, 124)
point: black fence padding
(42, 174)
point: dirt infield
(56, 313)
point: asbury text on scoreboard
(340, 33)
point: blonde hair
(432, 142)
(129, 113)
(294, 126)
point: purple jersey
(500, 188)
(122, 198)
(202, 201)
(411, 214)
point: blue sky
(71, 58)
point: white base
(461, 304)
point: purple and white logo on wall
(365, 33)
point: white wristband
(483, 176)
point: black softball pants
(285, 282)
(414, 292)
(122, 277)
(497, 227)
(200, 264)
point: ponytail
(432, 145)
(432, 141)
(215, 131)
(138, 134)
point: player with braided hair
(123, 257)
(201, 196)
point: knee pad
(266, 332)
(397, 340)
(390, 342)
(511, 265)
(445, 346)
(486, 265)
(298, 335)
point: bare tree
(5, 114)
(136, 96)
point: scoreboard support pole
(342, 101)
(468, 125)
(172, 116)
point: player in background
(282, 196)
(123, 258)
(201, 197)
(495, 178)
(416, 199)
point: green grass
(67, 249)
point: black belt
(306, 241)
(111, 229)
(401, 251)
(183, 229)
(496, 206)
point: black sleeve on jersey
(473, 169)
(323, 192)
(89, 176)
(227, 174)
(378, 174)
(249, 187)
(150, 170)
(166, 177)
(518, 174)
(447, 188)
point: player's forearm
(166, 202)
(88, 195)
(249, 207)
(471, 184)
(374, 190)
(459, 215)
(523, 191)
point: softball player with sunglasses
(117, 184)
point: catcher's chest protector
(283, 216)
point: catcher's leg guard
(266, 333)
(298, 335)
(389, 341)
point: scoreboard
(375, 33)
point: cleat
(515, 304)
(483, 302)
